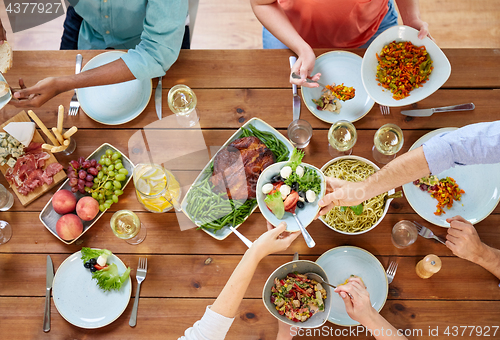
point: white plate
(305, 215)
(339, 67)
(80, 301)
(116, 103)
(260, 125)
(482, 190)
(5, 99)
(439, 75)
(341, 262)
(387, 204)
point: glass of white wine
(182, 101)
(341, 138)
(127, 226)
(388, 141)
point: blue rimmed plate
(114, 104)
(80, 301)
(339, 264)
(482, 190)
(339, 67)
(382, 96)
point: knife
(429, 112)
(158, 98)
(50, 279)
(296, 98)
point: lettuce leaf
(275, 203)
(295, 159)
(88, 253)
(108, 278)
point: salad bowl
(301, 267)
(305, 215)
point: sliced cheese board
(37, 138)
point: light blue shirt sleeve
(472, 144)
(161, 39)
(212, 326)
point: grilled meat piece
(238, 166)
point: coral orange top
(334, 23)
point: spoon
(318, 278)
(308, 80)
(309, 240)
(247, 242)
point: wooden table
(232, 87)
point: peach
(63, 202)
(87, 208)
(69, 227)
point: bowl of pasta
(355, 220)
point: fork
(140, 275)
(385, 109)
(427, 233)
(391, 271)
(74, 105)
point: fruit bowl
(49, 217)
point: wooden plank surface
(39, 191)
(222, 69)
(231, 108)
(167, 319)
(202, 280)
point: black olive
(93, 269)
(93, 261)
(295, 186)
(87, 265)
(276, 178)
(302, 195)
(300, 204)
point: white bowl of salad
(296, 300)
(291, 186)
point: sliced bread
(5, 57)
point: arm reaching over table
(360, 309)
(472, 144)
(218, 318)
(410, 13)
(464, 242)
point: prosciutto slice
(28, 173)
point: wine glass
(127, 226)
(388, 141)
(5, 232)
(341, 138)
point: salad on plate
(105, 274)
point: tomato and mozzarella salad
(292, 188)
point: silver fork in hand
(74, 104)
(140, 275)
(427, 233)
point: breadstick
(58, 148)
(70, 132)
(66, 142)
(47, 147)
(58, 135)
(43, 127)
(60, 117)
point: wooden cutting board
(61, 175)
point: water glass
(6, 199)
(404, 233)
(5, 232)
(300, 133)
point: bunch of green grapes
(110, 179)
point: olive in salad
(295, 186)
(297, 297)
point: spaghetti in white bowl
(345, 221)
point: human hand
(36, 95)
(463, 240)
(285, 331)
(273, 240)
(359, 308)
(340, 193)
(422, 27)
(304, 67)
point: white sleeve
(212, 326)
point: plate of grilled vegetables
(224, 193)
